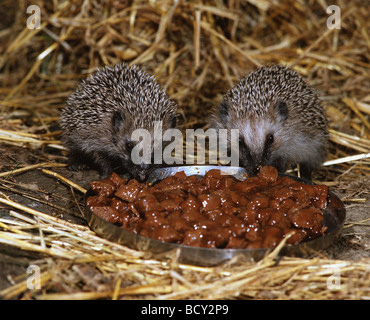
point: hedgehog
(103, 112)
(280, 119)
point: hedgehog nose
(141, 176)
(142, 171)
(144, 166)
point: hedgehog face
(260, 137)
(127, 147)
(280, 120)
(257, 149)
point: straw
(197, 51)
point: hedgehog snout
(257, 168)
(252, 161)
(142, 171)
(254, 168)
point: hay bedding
(197, 50)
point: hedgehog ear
(117, 120)
(224, 111)
(282, 110)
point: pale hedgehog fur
(105, 109)
(280, 119)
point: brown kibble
(250, 216)
(149, 203)
(272, 236)
(166, 234)
(194, 238)
(218, 235)
(281, 193)
(154, 221)
(104, 187)
(169, 205)
(298, 235)
(210, 201)
(107, 213)
(120, 206)
(191, 204)
(268, 173)
(310, 219)
(238, 198)
(127, 192)
(117, 180)
(278, 219)
(258, 201)
(246, 186)
(97, 200)
(321, 195)
(308, 189)
(253, 233)
(235, 242)
(178, 222)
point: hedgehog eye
(129, 145)
(270, 139)
(241, 141)
(268, 143)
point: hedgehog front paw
(76, 163)
(77, 166)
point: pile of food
(214, 211)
